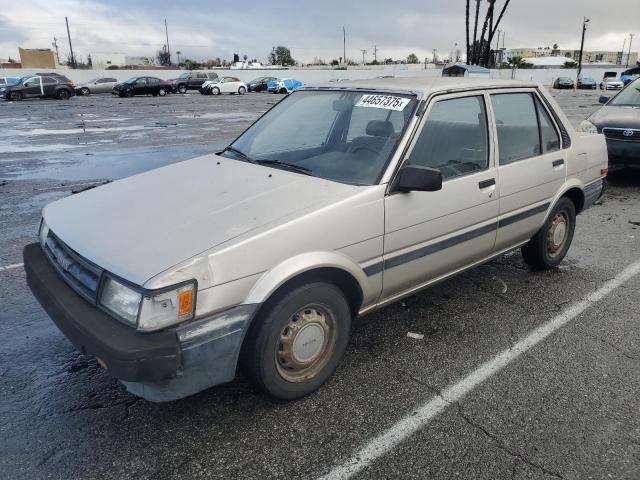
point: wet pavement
(567, 408)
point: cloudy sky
(217, 28)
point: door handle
(557, 163)
(487, 183)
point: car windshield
(184, 75)
(13, 80)
(131, 80)
(343, 136)
(629, 97)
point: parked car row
(53, 85)
(609, 81)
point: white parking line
(11, 267)
(422, 416)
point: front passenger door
(430, 234)
(32, 88)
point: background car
(142, 86)
(563, 82)
(191, 81)
(610, 82)
(259, 84)
(39, 86)
(9, 80)
(630, 75)
(619, 121)
(587, 83)
(284, 85)
(96, 85)
(230, 85)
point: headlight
(122, 301)
(149, 311)
(167, 308)
(44, 232)
(587, 127)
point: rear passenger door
(49, 86)
(531, 163)
(430, 234)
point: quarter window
(454, 138)
(548, 134)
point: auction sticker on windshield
(383, 101)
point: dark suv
(191, 81)
(39, 86)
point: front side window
(32, 82)
(454, 138)
(517, 125)
(337, 135)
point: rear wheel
(297, 341)
(15, 96)
(548, 247)
(242, 90)
(62, 94)
(162, 92)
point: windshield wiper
(240, 153)
(285, 165)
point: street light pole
(584, 29)
(629, 54)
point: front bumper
(158, 366)
(623, 154)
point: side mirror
(603, 99)
(416, 178)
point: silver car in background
(339, 200)
(96, 85)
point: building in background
(38, 58)
(105, 60)
(608, 57)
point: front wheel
(215, 91)
(283, 90)
(14, 96)
(548, 247)
(85, 91)
(182, 89)
(296, 343)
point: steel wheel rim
(306, 343)
(557, 234)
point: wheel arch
(333, 268)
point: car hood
(143, 225)
(616, 117)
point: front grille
(80, 274)
(624, 134)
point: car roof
(428, 85)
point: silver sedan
(96, 85)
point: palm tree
(475, 34)
(178, 53)
(467, 29)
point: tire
(297, 340)
(548, 247)
(162, 92)
(85, 91)
(62, 94)
(242, 91)
(14, 96)
(182, 89)
(215, 91)
(128, 93)
(283, 90)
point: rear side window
(454, 138)
(49, 81)
(202, 75)
(517, 125)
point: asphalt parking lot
(565, 405)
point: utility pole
(364, 52)
(166, 32)
(73, 58)
(375, 53)
(629, 54)
(434, 56)
(55, 45)
(584, 29)
(624, 44)
(344, 45)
